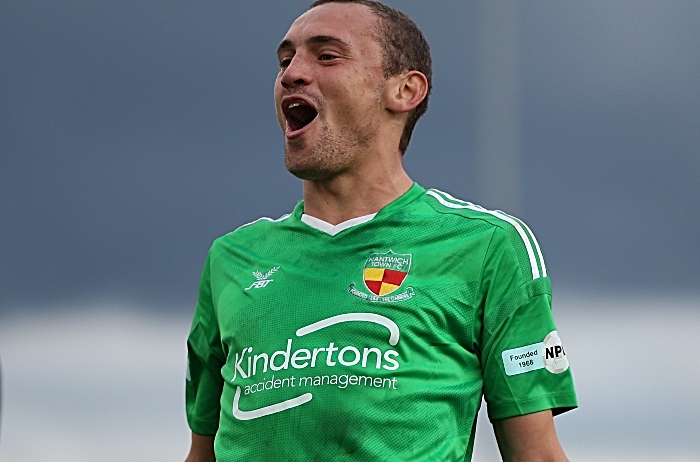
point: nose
(297, 73)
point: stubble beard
(333, 154)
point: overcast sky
(134, 133)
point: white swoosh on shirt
(368, 317)
(267, 410)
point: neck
(357, 193)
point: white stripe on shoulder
(537, 245)
(283, 217)
(460, 204)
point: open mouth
(299, 114)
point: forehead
(350, 22)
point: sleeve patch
(523, 359)
(547, 354)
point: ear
(406, 91)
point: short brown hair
(404, 48)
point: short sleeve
(523, 359)
(205, 359)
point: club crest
(383, 274)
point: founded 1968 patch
(547, 354)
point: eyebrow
(315, 40)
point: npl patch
(553, 353)
(547, 354)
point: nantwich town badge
(383, 275)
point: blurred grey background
(134, 133)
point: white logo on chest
(299, 359)
(263, 279)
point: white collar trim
(335, 229)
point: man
(365, 325)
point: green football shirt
(372, 340)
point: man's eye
(285, 62)
(326, 57)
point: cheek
(277, 90)
(280, 119)
(369, 90)
(352, 101)
(277, 96)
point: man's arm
(203, 382)
(202, 449)
(529, 438)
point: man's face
(329, 91)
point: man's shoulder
(445, 203)
(256, 229)
(509, 232)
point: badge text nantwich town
(383, 275)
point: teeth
(293, 105)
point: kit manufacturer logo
(262, 279)
(383, 276)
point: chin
(305, 172)
(319, 158)
(310, 171)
